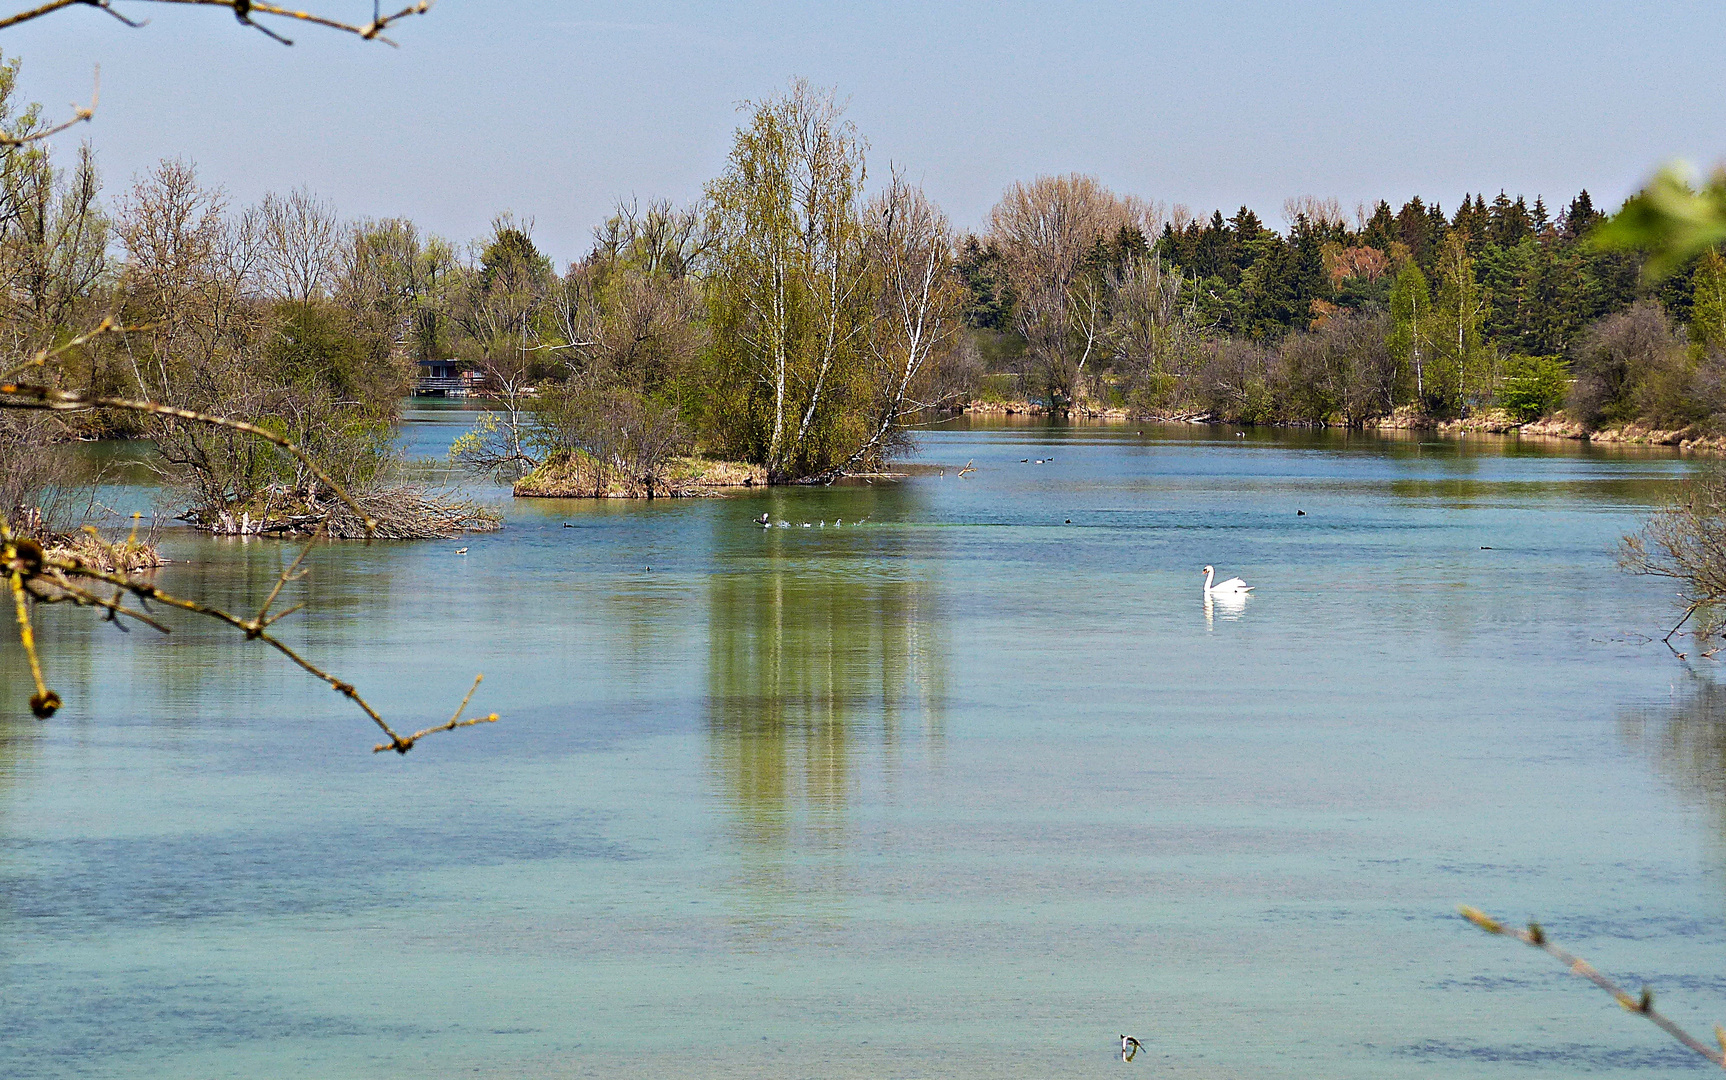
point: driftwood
(394, 512)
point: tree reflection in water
(1687, 743)
(818, 677)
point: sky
(556, 110)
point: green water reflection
(809, 670)
(1686, 743)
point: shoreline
(1689, 439)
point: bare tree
(662, 239)
(1326, 212)
(401, 281)
(1685, 541)
(1045, 231)
(1153, 335)
(300, 241)
(919, 307)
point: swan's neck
(1210, 575)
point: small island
(574, 474)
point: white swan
(1232, 587)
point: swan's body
(1232, 587)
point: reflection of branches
(1643, 1005)
(1685, 741)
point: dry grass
(576, 475)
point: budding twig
(402, 746)
(80, 114)
(55, 579)
(243, 11)
(1643, 1005)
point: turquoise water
(957, 788)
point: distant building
(443, 378)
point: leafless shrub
(1233, 382)
(301, 241)
(40, 489)
(1628, 364)
(1685, 541)
(633, 438)
(1341, 371)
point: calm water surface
(960, 787)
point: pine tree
(1580, 217)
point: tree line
(1091, 299)
(802, 316)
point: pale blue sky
(555, 109)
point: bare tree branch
(31, 572)
(80, 114)
(243, 11)
(1643, 1005)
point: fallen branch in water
(1643, 1005)
(395, 512)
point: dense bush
(1532, 386)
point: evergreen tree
(1508, 274)
(1472, 221)
(980, 269)
(1437, 229)
(1414, 226)
(1580, 217)
(1381, 229)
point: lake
(962, 779)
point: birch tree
(787, 282)
(1458, 308)
(1411, 326)
(919, 305)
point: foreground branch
(31, 572)
(243, 11)
(16, 395)
(80, 114)
(1643, 1005)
